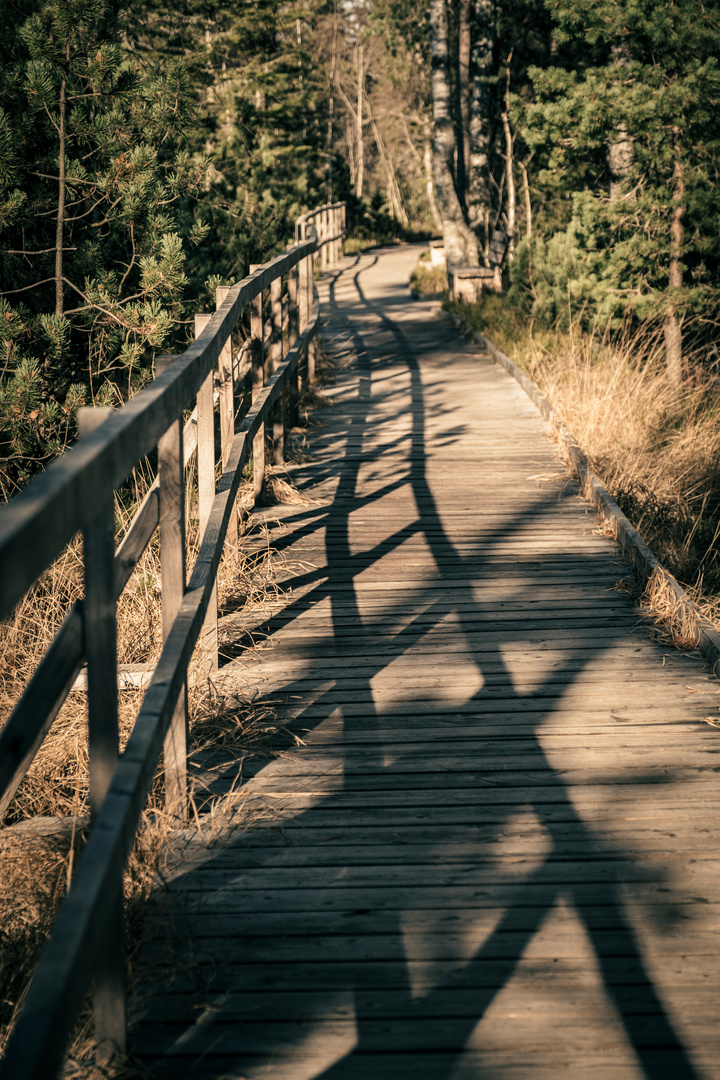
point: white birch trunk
(359, 143)
(460, 241)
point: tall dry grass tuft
(657, 450)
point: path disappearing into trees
(493, 852)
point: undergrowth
(427, 280)
(656, 449)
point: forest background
(150, 151)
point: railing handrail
(35, 527)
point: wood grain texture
(488, 848)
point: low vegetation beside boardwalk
(427, 280)
(655, 447)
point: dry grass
(428, 280)
(657, 450)
(673, 622)
(37, 856)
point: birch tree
(461, 246)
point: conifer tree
(625, 124)
(262, 92)
(91, 248)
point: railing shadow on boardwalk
(598, 902)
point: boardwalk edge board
(630, 540)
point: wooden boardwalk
(495, 853)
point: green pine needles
(92, 230)
(625, 134)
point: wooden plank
(699, 874)
(467, 1064)
(457, 899)
(100, 633)
(476, 801)
(316, 1005)
(401, 945)
(276, 356)
(171, 477)
(100, 637)
(407, 850)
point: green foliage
(261, 121)
(503, 320)
(123, 280)
(647, 75)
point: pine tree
(262, 115)
(91, 249)
(625, 125)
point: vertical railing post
(322, 236)
(276, 357)
(339, 231)
(333, 243)
(227, 421)
(257, 344)
(206, 494)
(304, 272)
(309, 377)
(171, 474)
(100, 632)
(295, 293)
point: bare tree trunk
(528, 228)
(331, 105)
(509, 169)
(393, 190)
(462, 111)
(528, 204)
(360, 147)
(430, 185)
(481, 119)
(460, 241)
(619, 159)
(59, 234)
(350, 136)
(673, 332)
(620, 150)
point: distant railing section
(257, 388)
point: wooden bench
(467, 282)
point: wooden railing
(75, 494)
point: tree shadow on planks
(324, 960)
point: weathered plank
(494, 850)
